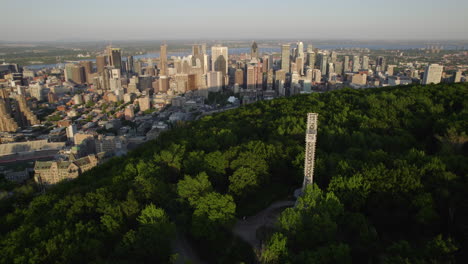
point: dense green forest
(390, 187)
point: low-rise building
(47, 173)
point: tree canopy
(390, 186)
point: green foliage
(390, 187)
(193, 189)
(213, 213)
(243, 180)
(275, 250)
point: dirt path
(247, 229)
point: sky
(50, 20)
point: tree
(214, 212)
(243, 181)
(275, 250)
(192, 189)
(151, 242)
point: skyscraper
(323, 63)
(163, 60)
(7, 123)
(300, 65)
(356, 65)
(219, 59)
(88, 69)
(456, 78)
(196, 50)
(254, 51)
(68, 72)
(311, 59)
(251, 77)
(214, 81)
(267, 60)
(115, 57)
(130, 64)
(239, 77)
(331, 68)
(365, 62)
(203, 48)
(346, 64)
(78, 74)
(433, 74)
(285, 57)
(380, 63)
(24, 116)
(333, 56)
(100, 63)
(300, 50)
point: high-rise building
(380, 63)
(254, 51)
(331, 69)
(71, 132)
(214, 81)
(356, 64)
(163, 60)
(285, 57)
(115, 57)
(100, 63)
(203, 48)
(300, 65)
(130, 67)
(267, 60)
(35, 89)
(137, 67)
(7, 123)
(144, 103)
(269, 80)
(338, 67)
(163, 84)
(280, 75)
(311, 59)
(181, 80)
(78, 74)
(88, 69)
(456, 78)
(192, 82)
(390, 70)
(24, 116)
(433, 74)
(365, 62)
(239, 77)
(316, 76)
(323, 63)
(346, 64)
(251, 80)
(68, 72)
(219, 59)
(196, 50)
(333, 56)
(300, 50)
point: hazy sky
(243, 19)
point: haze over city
(52, 20)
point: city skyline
(208, 19)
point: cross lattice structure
(311, 139)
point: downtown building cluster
(93, 110)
